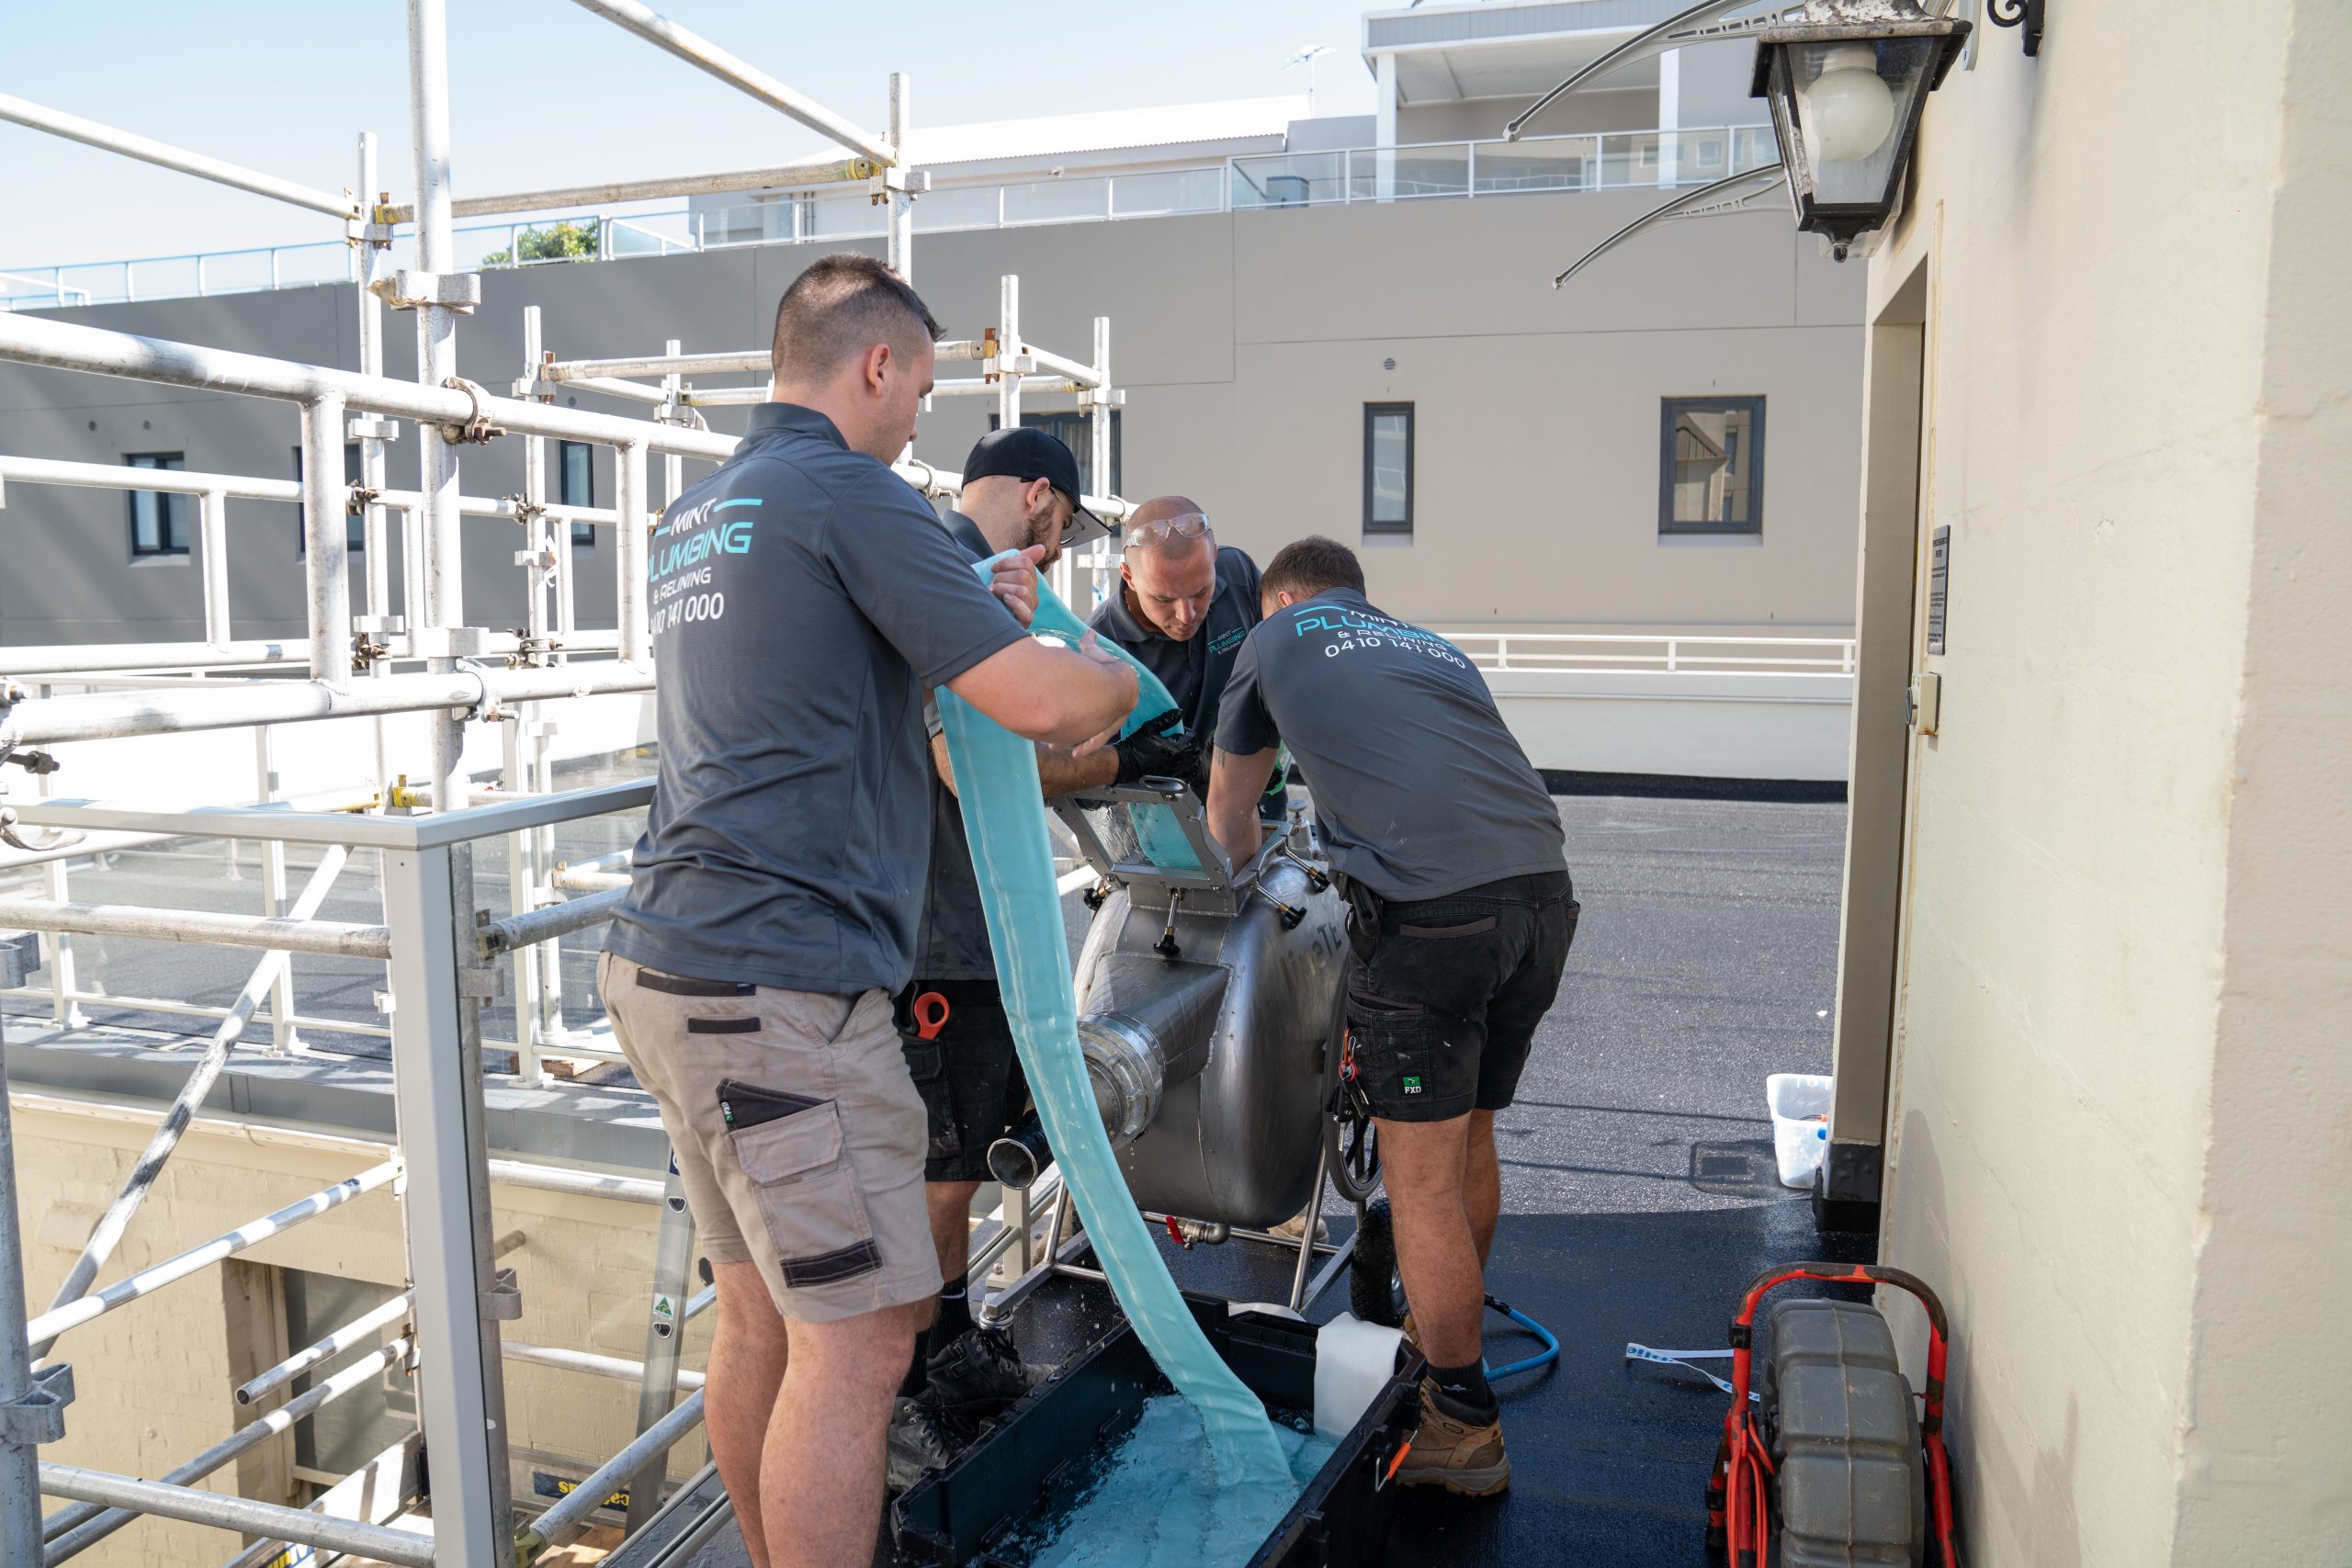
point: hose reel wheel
(1351, 1144)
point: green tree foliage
(566, 241)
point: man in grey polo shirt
(1183, 605)
(1460, 921)
(803, 598)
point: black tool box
(962, 1515)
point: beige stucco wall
(2118, 1128)
(153, 1378)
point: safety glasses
(1160, 530)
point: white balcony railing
(1603, 161)
(1592, 653)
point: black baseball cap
(1025, 454)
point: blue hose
(1544, 1357)
(996, 775)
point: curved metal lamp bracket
(1707, 22)
(1700, 23)
(1705, 201)
(2025, 13)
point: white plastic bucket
(1800, 1107)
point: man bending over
(1460, 918)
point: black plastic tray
(954, 1517)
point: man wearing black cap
(1021, 490)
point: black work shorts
(1445, 994)
(969, 1076)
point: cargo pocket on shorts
(790, 1149)
(927, 1064)
(1391, 1043)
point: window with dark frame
(158, 519)
(1388, 467)
(354, 531)
(345, 1435)
(575, 485)
(1711, 466)
(1074, 429)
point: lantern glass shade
(1846, 104)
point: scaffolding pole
(109, 715)
(109, 1231)
(571, 1512)
(65, 345)
(239, 1514)
(439, 1111)
(703, 55)
(74, 1531)
(824, 168)
(45, 1328)
(73, 128)
(21, 1394)
(332, 939)
(898, 205)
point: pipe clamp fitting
(39, 1415)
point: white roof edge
(1104, 130)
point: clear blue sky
(545, 93)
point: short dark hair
(1309, 566)
(842, 306)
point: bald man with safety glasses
(1184, 606)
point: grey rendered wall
(1248, 342)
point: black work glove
(1152, 752)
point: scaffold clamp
(39, 1415)
(405, 291)
(475, 429)
(502, 1302)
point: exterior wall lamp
(1847, 81)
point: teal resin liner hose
(996, 779)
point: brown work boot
(1412, 1335)
(1463, 1459)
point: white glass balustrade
(1603, 161)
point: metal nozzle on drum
(1128, 1068)
(1015, 1160)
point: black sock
(954, 1312)
(1462, 1392)
(918, 1371)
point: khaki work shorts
(799, 1134)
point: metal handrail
(242, 1514)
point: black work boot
(921, 1439)
(977, 1375)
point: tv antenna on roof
(1306, 55)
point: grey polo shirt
(803, 599)
(1197, 670)
(952, 941)
(1420, 788)
(1193, 670)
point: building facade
(2098, 915)
(1322, 325)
